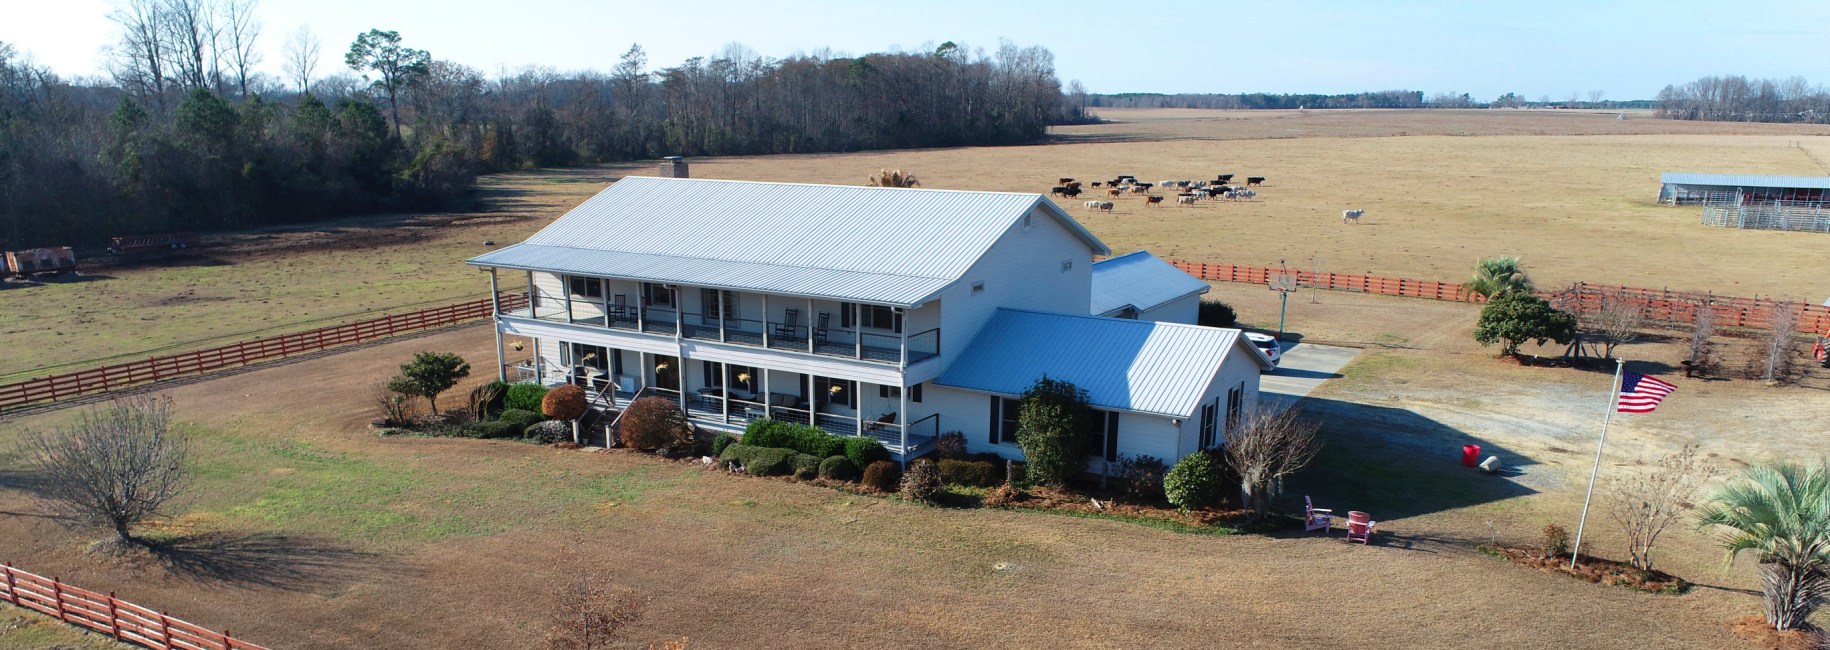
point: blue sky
(1627, 49)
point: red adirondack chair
(1360, 527)
(1316, 518)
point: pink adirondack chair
(1360, 527)
(1317, 518)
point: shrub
(1055, 428)
(524, 397)
(486, 399)
(969, 473)
(838, 468)
(883, 476)
(817, 442)
(805, 439)
(654, 423)
(921, 483)
(721, 442)
(951, 445)
(764, 432)
(1214, 313)
(1195, 480)
(865, 452)
(1516, 317)
(806, 466)
(548, 432)
(760, 461)
(433, 373)
(564, 403)
(1556, 541)
(518, 420)
(1143, 476)
(492, 429)
(1003, 496)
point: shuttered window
(1105, 435)
(1207, 424)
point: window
(1207, 424)
(586, 287)
(1235, 404)
(841, 392)
(657, 294)
(978, 288)
(708, 304)
(1026, 220)
(846, 311)
(714, 374)
(616, 362)
(880, 317)
(1004, 419)
(887, 391)
(1105, 435)
(745, 378)
(915, 393)
(591, 356)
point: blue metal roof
(1140, 281)
(1746, 180)
(885, 245)
(1156, 368)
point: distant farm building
(1758, 202)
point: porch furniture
(888, 418)
(819, 332)
(626, 384)
(596, 380)
(790, 320)
(1360, 527)
(786, 401)
(1317, 518)
(619, 310)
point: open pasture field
(1576, 207)
(308, 531)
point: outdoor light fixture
(743, 376)
(661, 365)
(516, 345)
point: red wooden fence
(122, 620)
(1661, 305)
(123, 375)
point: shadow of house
(1395, 463)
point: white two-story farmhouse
(899, 314)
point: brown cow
(1152, 200)
(1064, 180)
(1114, 192)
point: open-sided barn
(1748, 201)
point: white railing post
(533, 299)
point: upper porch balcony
(797, 324)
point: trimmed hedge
(492, 429)
(806, 466)
(838, 468)
(968, 473)
(805, 439)
(1195, 481)
(524, 397)
(519, 420)
(760, 461)
(865, 452)
(720, 443)
(884, 476)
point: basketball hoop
(1283, 281)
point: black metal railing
(658, 321)
(924, 346)
(782, 336)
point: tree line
(183, 134)
(1735, 98)
(1381, 99)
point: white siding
(1236, 369)
(1022, 270)
(969, 412)
(1181, 310)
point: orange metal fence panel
(122, 620)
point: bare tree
(1595, 97)
(192, 36)
(1617, 322)
(138, 60)
(1264, 446)
(587, 611)
(1779, 350)
(240, 31)
(115, 467)
(1646, 503)
(300, 56)
(1702, 353)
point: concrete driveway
(1304, 367)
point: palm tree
(1496, 275)
(1782, 514)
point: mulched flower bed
(1592, 569)
(1762, 634)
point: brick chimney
(673, 167)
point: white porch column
(532, 298)
(539, 364)
(903, 317)
(765, 384)
(603, 285)
(495, 310)
(812, 320)
(857, 332)
(565, 285)
(766, 330)
(902, 417)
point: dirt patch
(1755, 629)
(1591, 569)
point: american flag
(1641, 394)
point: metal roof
(1140, 281)
(1746, 180)
(889, 245)
(1156, 368)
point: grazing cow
(1185, 200)
(1064, 180)
(1247, 195)
(1152, 200)
(1232, 195)
(1223, 178)
(1091, 205)
(1070, 192)
(1351, 215)
(1059, 190)
(1074, 184)
(1165, 183)
(1254, 180)
(1105, 205)
(1114, 191)
(1095, 183)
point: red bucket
(1470, 455)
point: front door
(667, 372)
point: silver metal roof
(1157, 368)
(888, 245)
(1140, 281)
(1746, 180)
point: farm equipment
(39, 260)
(133, 243)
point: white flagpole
(1613, 400)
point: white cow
(1351, 215)
(1185, 200)
(1105, 205)
(1091, 205)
